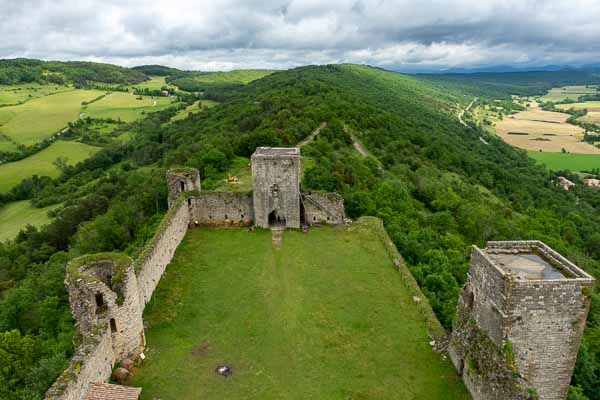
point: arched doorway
(275, 219)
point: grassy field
(568, 92)
(567, 161)
(593, 106)
(125, 106)
(542, 130)
(41, 163)
(155, 83)
(15, 94)
(40, 118)
(17, 215)
(243, 76)
(194, 108)
(325, 316)
(591, 117)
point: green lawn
(192, 109)
(17, 215)
(41, 163)
(325, 316)
(125, 106)
(568, 161)
(40, 118)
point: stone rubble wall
(101, 348)
(489, 295)
(222, 209)
(546, 323)
(92, 362)
(323, 208)
(151, 263)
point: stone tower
(520, 320)
(181, 180)
(104, 296)
(276, 186)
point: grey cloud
(226, 34)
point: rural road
(460, 114)
(312, 136)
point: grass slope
(568, 92)
(567, 161)
(155, 83)
(40, 118)
(125, 106)
(17, 215)
(323, 317)
(193, 108)
(243, 76)
(41, 163)
(15, 94)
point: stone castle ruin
(108, 291)
(520, 315)
(520, 320)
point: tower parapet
(520, 320)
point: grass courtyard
(325, 316)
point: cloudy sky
(228, 34)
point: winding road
(460, 114)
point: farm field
(17, 215)
(591, 117)
(15, 94)
(124, 106)
(568, 92)
(6, 144)
(567, 161)
(593, 106)
(40, 118)
(542, 130)
(325, 316)
(194, 108)
(41, 163)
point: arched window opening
(182, 185)
(99, 300)
(113, 325)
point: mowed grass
(41, 163)
(325, 316)
(568, 92)
(125, 106)
(193, 109)
(17, 215)
(40, 118)
(567, 161)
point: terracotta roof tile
(107, 391)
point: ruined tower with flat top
(519, 323)
(276, 186)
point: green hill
(438, 187)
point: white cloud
(226, 34)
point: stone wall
(92, 362)
(323, 208)
(151, 263)
(222, 209)
(108, 293)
